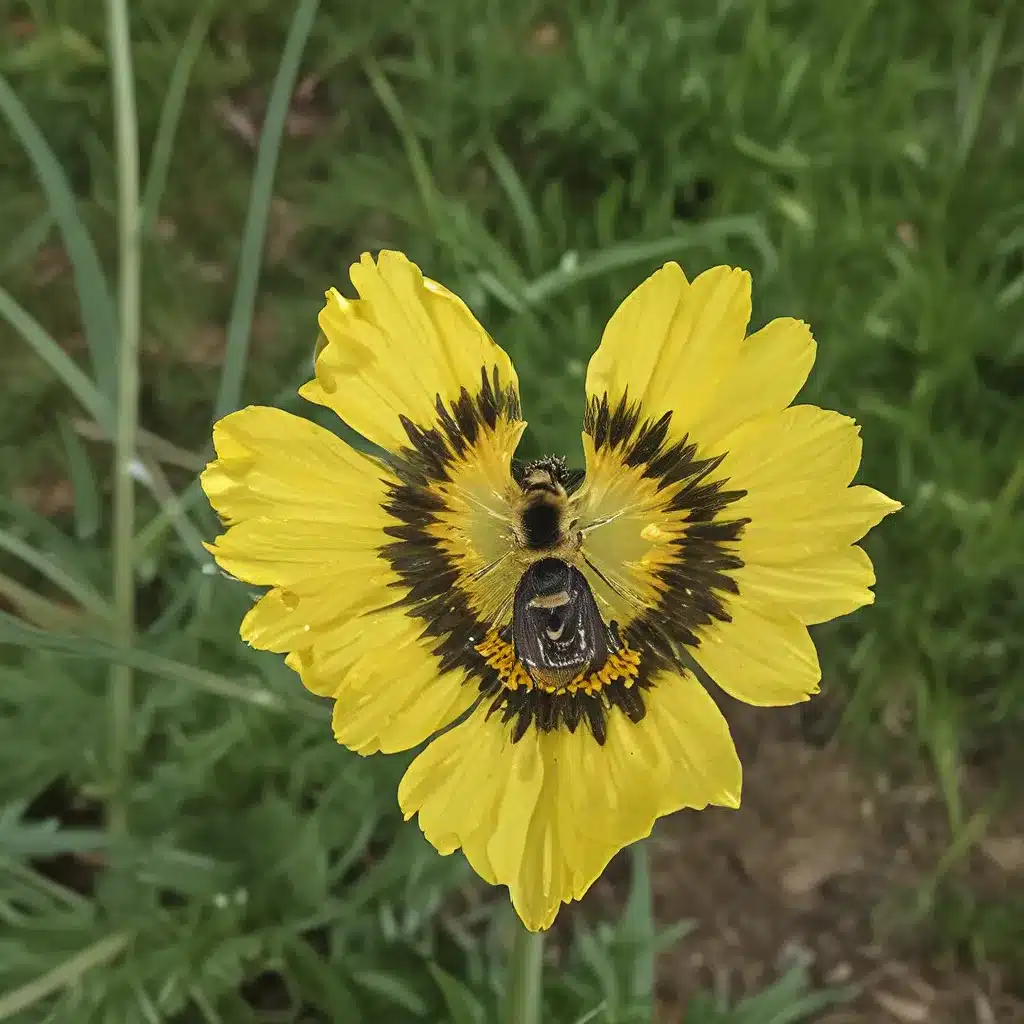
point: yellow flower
(559, 614)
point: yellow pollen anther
(652, 533)
(623, 665)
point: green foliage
(788, 1001)
(863, 161)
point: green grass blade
(83, 593)
(83, 480)
(23, 247)
(170, 115)
(17, 634)
(240, 323)
(99, 320)
(35, 609)
(636, 932)
(63, 975)
(169, 513)
(519, 202)
(592, 1015)
(630, 254)
(429, 193)
(148, 471)
(977, 93)
(46, 347)
(462, 1005)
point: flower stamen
(621, 666)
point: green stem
(523, 992)
(126, 136)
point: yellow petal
(283, 552)
(791, 457)
(410, 708)
(772, 367)
(795, 467)
(473, 784)
(308, 520)
(545, 815)
(405, 342)
(301, 501)
(389, 694)
(671, 344)
(284, 619)
(824, 587)
(271, 463)
(762, 657)
(789, 531)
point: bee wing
(631, 533)
(475, 523)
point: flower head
(558, 613)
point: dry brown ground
(810, 868)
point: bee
(542, 508)
(558, 633)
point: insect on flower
(558, 613)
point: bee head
(545, 475)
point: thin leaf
(321, 982)
(463, 1006)
(84, 593)
(788, 1001)
(37, 610)
(240, 323)
(637, 935)
(591, 1015)
(973, 104)
(170, 115)
(24, 839)
(46, 535)
(83, 480)
(629, 254)
(158, 525)
(519, 202)
(99, 319)
(23, 247)
(149, 473)
(430, 195)
(46, 347)
(63, 975)
(392, 988)
(18, 634)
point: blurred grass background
(864, 161)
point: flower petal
(405, 342)
(762, 657)
(308, 520)
(388, 689)
(818, 589)
(672, 344)
(789, 457)
(560, 806)
(795, 532)
(772, 367)
(285, 618)
(795, 467)
(273, 464)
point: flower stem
(126, 138)
(523, 990)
